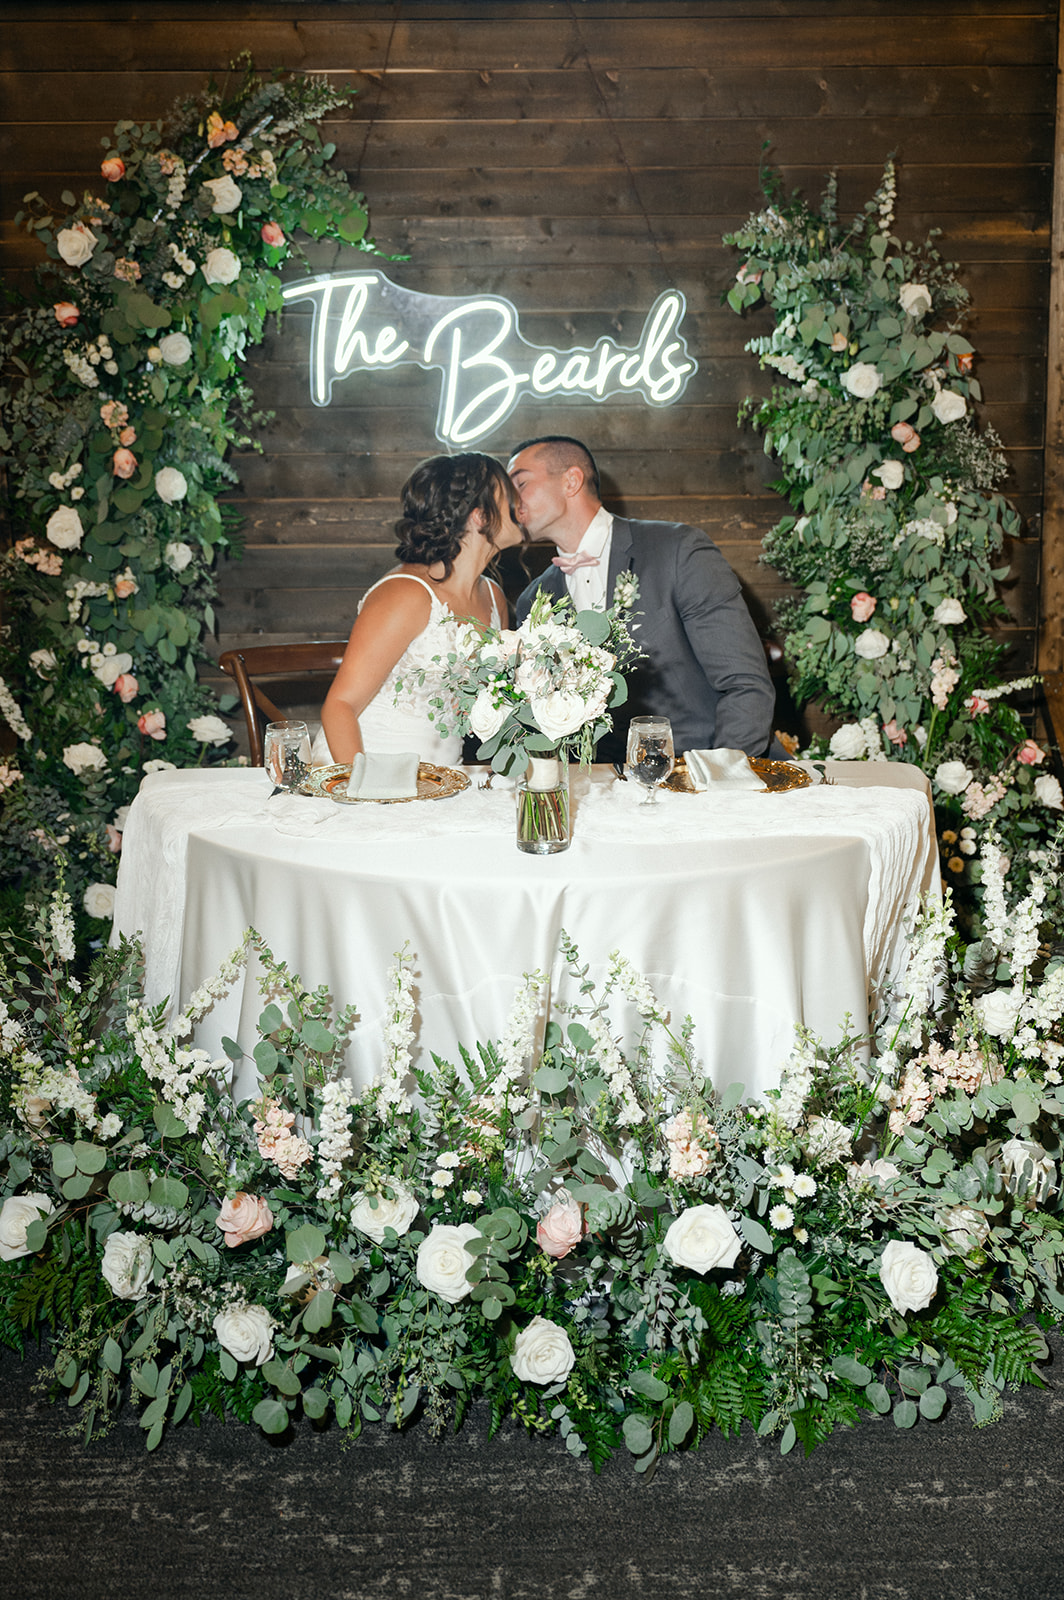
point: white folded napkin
(721, 769)
(383, 777)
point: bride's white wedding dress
(389, 727)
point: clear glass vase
(543, 806)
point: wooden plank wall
(579, 158)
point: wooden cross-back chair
(275, 661)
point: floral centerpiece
(538, 695)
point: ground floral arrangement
(898, 529)
(593, 1243)
(122, 392)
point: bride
(458, 513)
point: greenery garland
(123, 391)
(897, 531)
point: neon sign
(365, 323)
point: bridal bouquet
(545, 689)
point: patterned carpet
(946, 1512)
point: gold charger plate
(433, 783)
(777, 776)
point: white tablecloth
(750, 912)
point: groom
(704, 665)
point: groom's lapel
(553, 580)
(620, 554)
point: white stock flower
(64, 528)
(848, 742)
(175, 349)
(225, 195)
(172, 485)
(75, 244)
(952, 777)
(485, 718)
(915, 299)
(246, 1332)
(16, 1214)
(209, 730)
(99, 900)
(827, 1140)
(82, 758)
(949, 406)
(126, 1265)
(177, 554)
(891, 474)
(862, 380)
(702, 1238)
(221, 266)
(948, 612)
(542, 1353)
(908, 1274)
(442, 1260)
(871, 644)
(1047, 790)
(371, 1214)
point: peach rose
(113, 168)
(218, 132)
(895, 734)
(1030, 754)
(126, 687)
(124, 464)
(862, 606)
(244, 1217)
(127, 436)
(152, 724)
(66, 313)
(124, 587)
(114, 838)
(902, 432)
(272, 233)
(562, 1229)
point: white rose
(84, 758)
(43, 662)
(998, 1011)
(209, 730)
(862, 380)
(127, 1265)
(559, 713)
(949, 406)
(175, 349)
(908, 1275)
(485, 719)
(372, 1219)
(891, 474)
(99, 900)
(16, 1214)
(848, 742)
(221, 266)
(112, 668)
(1047, 790)
(952, 777)
(542, 1353)
(172, 485)
(965, 1228)
(949, 612)
(702, 1238)
(75, 244)
(246, 1332)
(225, 194)
(871, 644)
(442, 1260)
(915, 299)
(177, 554)
(64, 528)
(883, 1172)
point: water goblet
(286, 754)
(650, 756)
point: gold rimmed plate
(433, 783)
(777, 776)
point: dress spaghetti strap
(411, 577)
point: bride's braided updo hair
(438, 499)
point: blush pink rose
(902, 432)
(976, 705)
(895, 734)
(124, 464)
(1030, 754)
(244, 1217)
(561, 1230)
(113, 168)
(66, 313)
(911, 444)
(114, 838)
(272, 233)
(127, 436)
(862, 606)
(153, 724)
(126, 687)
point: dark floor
(944, 1512)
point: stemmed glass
(286, 754)
(650, 756)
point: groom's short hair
(561, 451)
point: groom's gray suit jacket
(705, 666)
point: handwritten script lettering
(365, 323)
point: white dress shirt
(587, 585)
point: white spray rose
(209, 730)
(871, 644)
(246, 1332)
(221, 266)
(16, 1214)
(949, 612)
(949, 406)
(372, 1219)
(84, 758)
(171, 486)
(99, 900)
(127, 1265)
(915, 299)
(225, 195)
(1047, 790)
(702, 1238)
(542, 1353)
(848, 742)
(952, 777)
(862, 380)
(175, 349)
(64, 528)
(177, 554)
(908, 1275)
(442, 1260)
(75, 244)
(891, 474)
